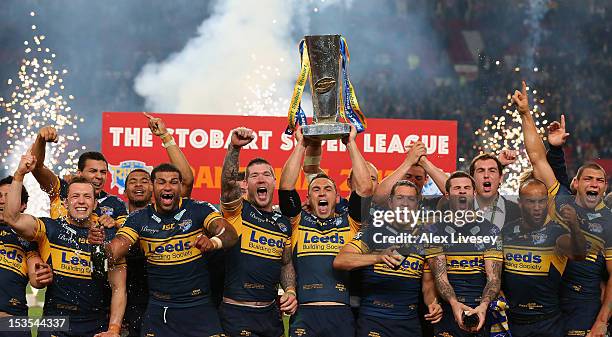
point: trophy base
(326, 131)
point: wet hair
(83, 158)
(80, 180)
(401, 183)
(165, 167)
(322, 175)
(591, 165)
(24, 193)
(485, 156)
(455, 175)
(256, 161)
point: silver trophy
(326, 86)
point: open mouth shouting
(167, 199)
(262, 193)
(592, 196)
(486, 186)
(323, 206)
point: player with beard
(467, 274)
(63, 244)
(536, 250)
(170, 232)
(583, 312)
(262, 258)
(92, 166)
(138, 192)
(20, 262)
(392, 279)
(317, 237)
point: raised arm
(533, 142)
(414, 153)
(312, 158)
(177, 158)
(438, 176)
(555, 156)
(45, 177)
(230, 184)
(23, 224)
(291, 169)
(362, 182)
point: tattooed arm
(288, 302)
(445, 289)
(491, 290)
(230, 188)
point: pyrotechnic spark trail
(504, 132)
(38, 99)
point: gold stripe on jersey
(210, 218)
(532, 260)
(412, 267)
(70, 262)
(129, 233)
(262, 242)
(495, 255)
(172, 251)
(360, 246)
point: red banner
(128, 143)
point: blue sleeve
(556, 160)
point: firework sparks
(504, 132)
(268, 102)
(38, 100)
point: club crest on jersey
(120, 172)
(185, 225)
(595, 227)
(539, 238)
(282, 227)
(105, 210)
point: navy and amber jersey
(466, 249)
(581, 280)
(177, 271)
(386, 292)
(253, 266)
(107, 204)
(315, 243)
(65, 248)
(531, 277)
(14, 252)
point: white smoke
(242, 61)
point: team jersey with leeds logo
(177, 271)
(465, 260)
(253, 266)
(532, 269)
(107, 204)
(14, 252)
(581, 280)
(386, 292)
(73, 292)
(315, 243)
